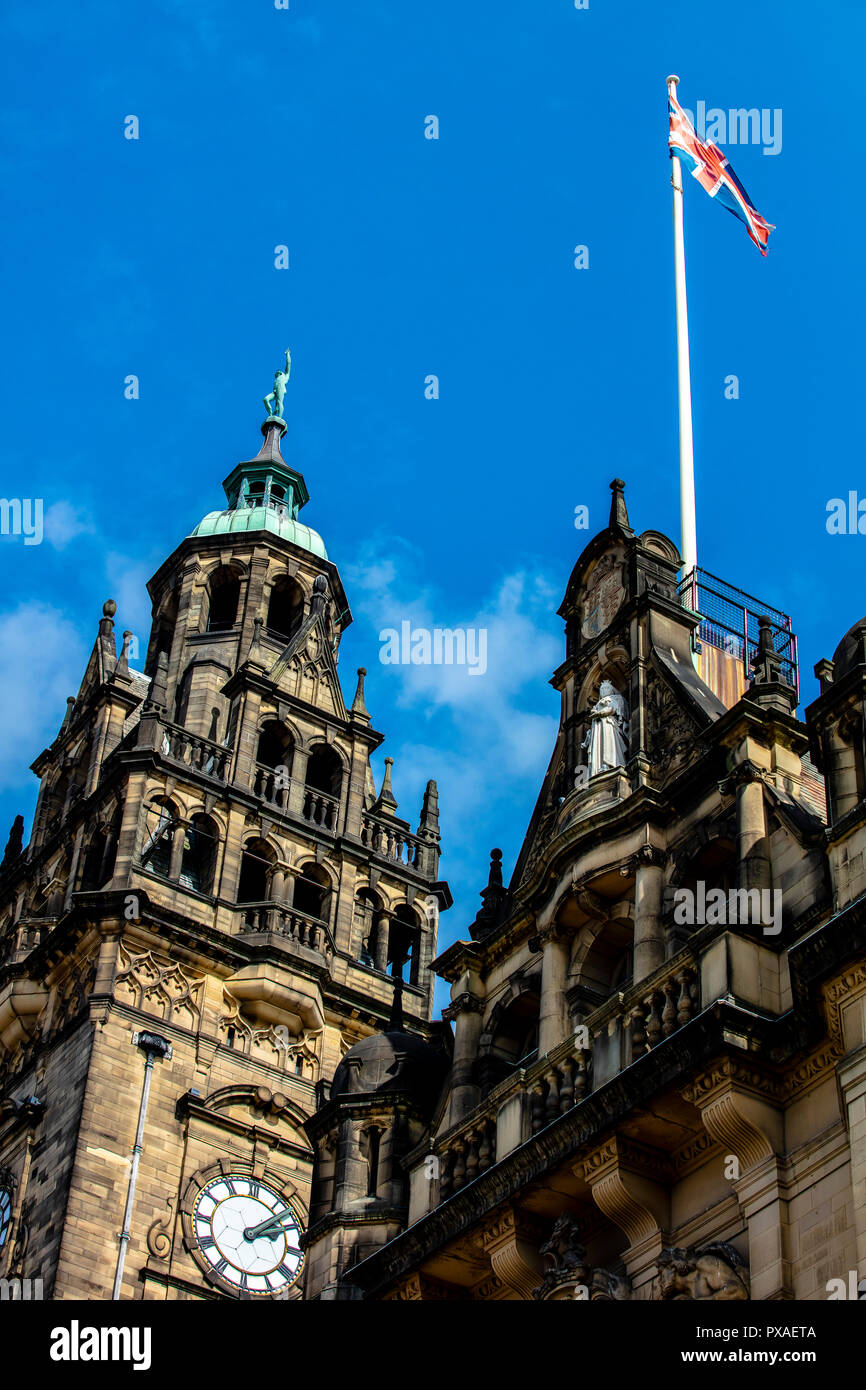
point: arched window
(370, 1146)
(256, 863)
(324, 771)
(367, 909)
(275, 746)
(101, 853)
(55, 801)
(273, 770)
(161, 822)
(199, 854)
(162, 632)
(91, 873)
(403, 943)
(515, 1039)
(224, 588)
(312, 892)
(323, 782)
(286, 607)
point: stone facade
(211, 865)
(658, 1082)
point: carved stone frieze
(715, 1271)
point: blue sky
(411, 257)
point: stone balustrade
(288, 922)
(553, 1088)
(469, 1152)
(270, 786)
(23, 937)
(618, 1033)
(391, 841)
(200, 754)
(320, 809)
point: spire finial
(157, 695)
(15, 842)
(386, 800)
(429, 823)
(493, 899)
(395, 1018)
(618, 511)
(122, 667)
(67, 718)
(359, 709)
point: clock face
(248, 1234)
(5, 1214)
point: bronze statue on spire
(273, 401)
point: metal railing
(729, 622)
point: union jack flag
(713, 172)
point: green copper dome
(265, 494)
(262, 519)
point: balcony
(271, 786)
(199, 754)
(726, 641)
(390, 840)
(320, 809)
(274, 787)
(622, 1030)
(287, 922)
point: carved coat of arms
(604, 594)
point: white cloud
(44, 658)
(486, 739)
(522, 649)
(64, 522)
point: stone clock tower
(215, 904)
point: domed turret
(391, 1062)
(851, 651)
(265, 494)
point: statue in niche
(717, 1271)
(605, 742)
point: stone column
(752, 848)
(380, 956)
(649, 943)
(842, 771)
(553, 1024)
(852, 1083)
(178, 835)
(278, 885)
(466, 1010)
(298, 788)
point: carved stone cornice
(421, 1288)
(742, 775)
(647, 857)
(620, 1152)
(728, 1071)
(464, 1003)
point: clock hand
(270, 1224)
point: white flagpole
(687, 456)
